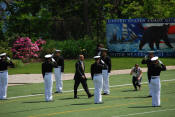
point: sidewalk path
(21, 79)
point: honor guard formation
(100, 71)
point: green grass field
(122, 101)
(117, 63)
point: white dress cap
(150, 51)
(103, 49)
(48, 56)
(3, 54)
(57, 50)
(154, 58)
(96, 57)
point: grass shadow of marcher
(35, 102)
(83, 104)
(136, 97)
(129, 90)
(66, 99)
(141, 107)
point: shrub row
(71, 48)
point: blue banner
(134, 37)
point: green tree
(75, 19)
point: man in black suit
(80, 77)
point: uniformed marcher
(136, 73)
(58, 71)
(80, 77)
(105, 72)
(147, 60)
(156, 68)
(5, 62)
(47, 68)
(96, 74)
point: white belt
(3, 71)
(154, 77)
(48, 73)
(97, 74)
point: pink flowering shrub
(24, 48)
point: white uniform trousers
(58, 79)
(105, 81)
(98, 83)
(156, 86)
(48, 82)
(150, 89)
(3, 84)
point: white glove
(53, 60)
(146, 57)
(99, 53)
(160, 62)
(8, 58)
(102, 62)
(52, 55)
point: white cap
(154, 58)
(3, 54)
(48, 56)
(57, 50)
(103, 49)
(150, 51)
(96, 57)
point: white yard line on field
(83, 89)
(144, 113)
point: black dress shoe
(105, 94)
(90, 96)
(58, 92)
(4, 99)
(156, 106)
(149, 96)
(100, 103)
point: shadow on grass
(83, 104)
(82, 95)
(71, 98)
(34, 109)
(35, 102)
(141, 107)
(136, 97)
(39, 93)
(19, 83)
(128, 90)
(66, 98)
(31, 110)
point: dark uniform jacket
(149, 65)
(48, 67)
(96, 68)
(148, 62)
(79, 70)
(60, 62)
(4, 65)
(107, 61)
(157, 68)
